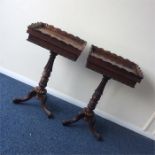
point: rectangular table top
(55, 39)
(114, 66)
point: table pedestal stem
(40, 91)
(87, 113)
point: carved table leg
(87, 113)
(25, 98)
(43, 99)
(40, 91)
(74, 119)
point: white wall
(126, 27)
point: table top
(57, 39)
(115, 66)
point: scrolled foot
(74, 119)
(49, 113)
(91, 123)
(26, 98)
(98, 136)
(43, 99)
(17, 101)
(66, 123)
(50, 116)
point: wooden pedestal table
(58, 42)
(110, 66)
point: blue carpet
(25, 129)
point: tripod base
(40, 91)
(89, 117)
(41, 95)
(87, 114)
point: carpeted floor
(25, 129)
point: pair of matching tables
(110, 65)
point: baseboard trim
(78, 103)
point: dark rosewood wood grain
(58, 42)
(40, 91)
(111, 66)
(114, 66)
(52, 38)
(87, 113)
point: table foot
(41, 95)
(74, 119)
(25, 98)
(40, 91)
(91, 123)
(43, 99)
(89, 117)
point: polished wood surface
(58, 42)
(87, 113)
(52, 38)
(111, 66)
(40, 91)
(114, 66)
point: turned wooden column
(87, 113)
(40, 91)
(97, 94)
(54, 39)
(47, 71)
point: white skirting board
(149, 122)
(79, 103)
